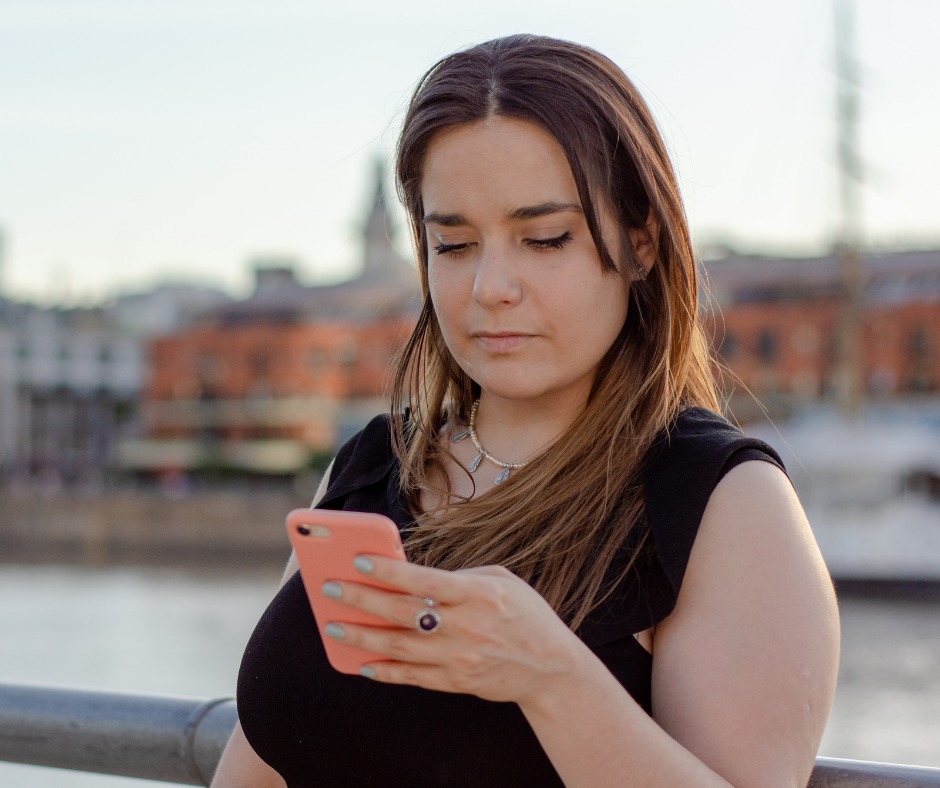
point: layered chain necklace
(471, 433)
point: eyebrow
(525, 212)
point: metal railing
(180, 740)
(177, 740)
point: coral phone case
(326, 542)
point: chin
(520, 390)
(499, 386)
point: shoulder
(362, 460)
(754, 502)
(700, 438)
(372, 442)
(685, 465)
(683, 468)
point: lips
(502, 341)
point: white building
(70, 380)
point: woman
(626, 591)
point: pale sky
(151, 140)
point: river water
(181, 632)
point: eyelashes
(549, 243)
(454, 250)
(558, 242)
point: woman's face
(523, 301)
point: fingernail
(335, 631)
(366, 671)
(332, 589)
(363, 564)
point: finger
(397, 644)
(425, 582)
(396, 608)
(490, 570)
(432, 677)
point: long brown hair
(559, 522)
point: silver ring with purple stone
(427, 620)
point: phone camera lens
(303, 530)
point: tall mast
(849, 354)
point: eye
(549, 243)
(451, 250)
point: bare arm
(744, 669)
(240, 766)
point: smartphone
(326, 542)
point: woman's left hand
(497, 638)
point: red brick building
(274, 383)
(775, 324)
(267, 381)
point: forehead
(495, 166)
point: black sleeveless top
(316, 726)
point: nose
(496, 281)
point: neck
(516, 431)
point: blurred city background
(203, 277)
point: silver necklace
(483, 453)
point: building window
(918, 343)
(728, 346)
(919, 382)
(346, 350)
(767, 345)
(261, 363)
(209, 373)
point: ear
(645, 242)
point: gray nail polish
(335, 631)
(363, 564)
(366, 671)
(332, 590)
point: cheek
(435, 285)
(603, 303)
(606, 316)
(445, 297)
